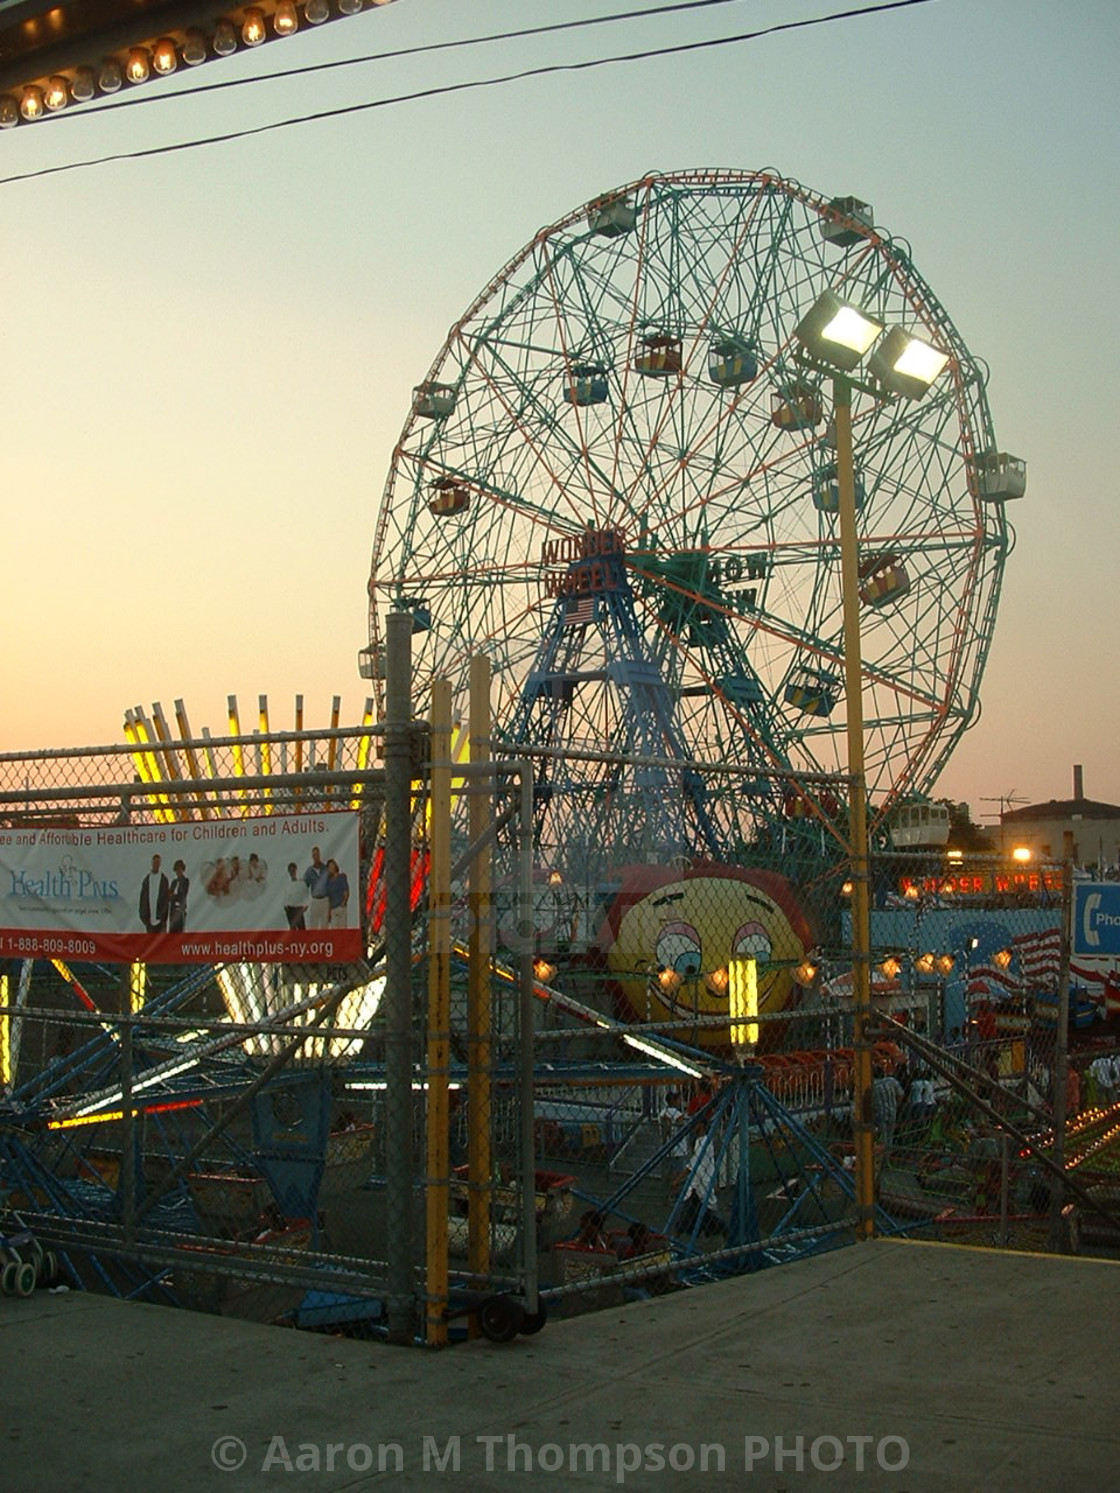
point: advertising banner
(277, 889)
(1096, 918)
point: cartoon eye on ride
(678, 949)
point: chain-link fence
(549, 1079)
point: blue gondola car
(586, 384)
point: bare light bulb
(9, 112)
(225, 39)
(317, 11)
(83, 86)
(194, 47)
(111, 75)
(285, 20)
(252, 27)
(57, 94)
(165, 59)
(31, 104)
(139, 66)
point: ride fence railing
(612, 1087)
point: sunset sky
(208, 354)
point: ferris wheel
(618, 480)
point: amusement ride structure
(619, 480)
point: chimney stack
(1078, 785)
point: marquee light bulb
(165, 58)
(252, 28)
(111, 75)
(83, 86)
(57, 95)
(139, 66)
(317, 11)
(286, 18)
(194, 47)
(225, 39)
(9, 112)
(31, 104)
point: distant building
(1077, 829)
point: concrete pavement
(883, 1365)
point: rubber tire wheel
(8, 1278)
(26, 1276)
(532, 1322)
(500, 1319)
(48, 1268)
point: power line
(133, 101)
(450, 88)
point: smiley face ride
(670, 935)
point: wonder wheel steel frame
(617, 480)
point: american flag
(1039, 956)
(986, 980)
(579, 611)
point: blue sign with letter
(1096, 918)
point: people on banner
(296, 898)
(178, 893)
(316, 877)
(338, 895)
(155, 892)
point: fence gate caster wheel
(500, 1319)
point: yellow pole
(5, 1039)
(480, 901)
(439, 1013)
(861, 869)
(238, 756)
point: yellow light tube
(365, 745)
(5, 1038)
(743, 1002)
(238, 759)
(137, 986)
(265, 748)
(169, 757)
(141, 760)
(196, 769)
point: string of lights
(443, 90)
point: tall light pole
(836, 336)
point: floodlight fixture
(906, 365)
(834, 332)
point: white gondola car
(917, 825)
(612, 216)
(433, 401)
(371, 663)
(1000, 476)
(848, 222)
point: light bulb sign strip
(281, 889)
